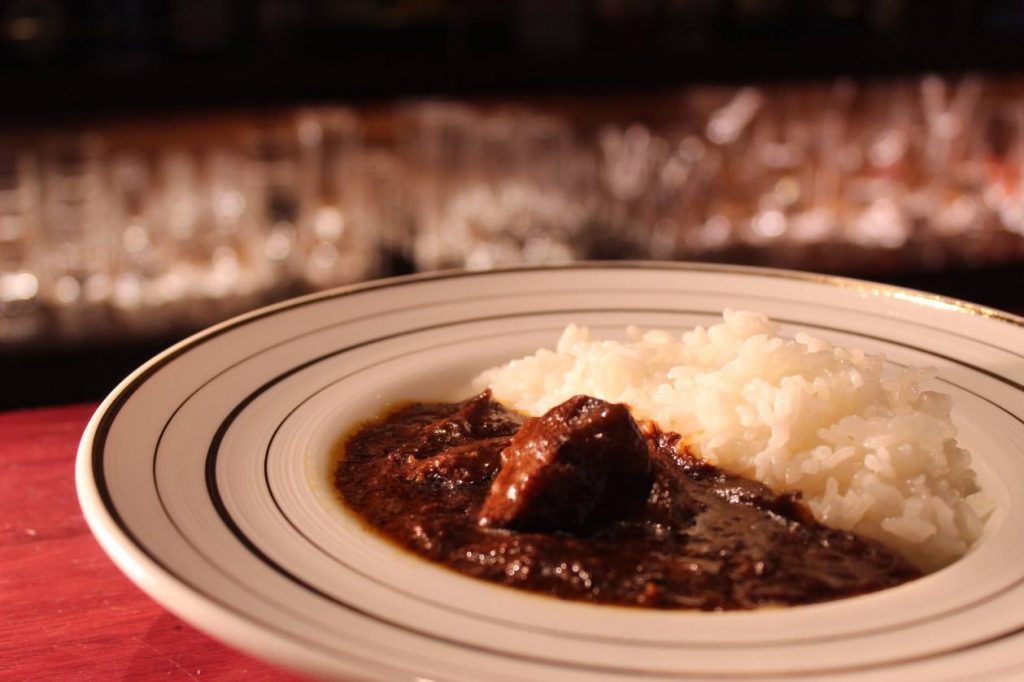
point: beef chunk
(472, 462)
(581, 465)
(473, 419)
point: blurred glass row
(145, 228)
(840, 177)
(145, 232)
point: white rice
(868, 449)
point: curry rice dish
(787, 471)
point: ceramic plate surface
(206, 477)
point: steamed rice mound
(867, 448)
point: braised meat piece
(472, 462)
(473, 419)
(581, 465)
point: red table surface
(66, 612)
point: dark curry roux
(426, 476)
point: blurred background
(165, 164)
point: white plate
(205, 476)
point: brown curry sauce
(699, 538)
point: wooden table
(66, 612)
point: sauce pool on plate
(582, 504)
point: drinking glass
(76, 234)
(278, 179)
(337, 244)
(383, 208)
(440, 141)
(20, 257)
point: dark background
(71, 59)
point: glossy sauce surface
(702, 539)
